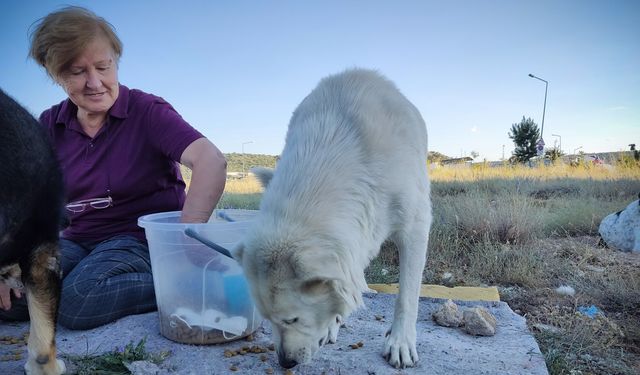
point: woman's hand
(5, 296)
(208, 177)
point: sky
(236, 70)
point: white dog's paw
(400, 348)
(332, 337)
(57, 367)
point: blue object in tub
(236, 290)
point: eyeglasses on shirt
(95, 203)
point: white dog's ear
(238, 252)
(323, 271)
(316, 265)
(264, 175)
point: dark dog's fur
(31, 207)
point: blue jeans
(101, 283)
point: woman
(119, 149)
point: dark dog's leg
(43, 295)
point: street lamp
(544, 108)
(560, 146)
(243, 156)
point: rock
(621, 230)
(448, 315)
(547, 328)
(594, 268)
(478, 321)
(143, 368)
(448, 279)
(566, 290)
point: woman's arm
(5, 296)
(208, 177)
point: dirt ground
(596, 330)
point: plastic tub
(202, 295)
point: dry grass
(528, 231)
(522, 172)
(242, 193)
(248, 185)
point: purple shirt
(133, 159)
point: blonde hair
(61, 36)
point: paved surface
(442, 350)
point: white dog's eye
(290, 321)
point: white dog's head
(301, 288)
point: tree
(436, 157)
(524, 135)
(553, 154)
(474, 154)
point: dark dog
(31, 207)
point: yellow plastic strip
(464, 293)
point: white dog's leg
(400, 345)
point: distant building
(465, 161)
(234, 175)
(599, 157)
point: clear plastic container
(202, 295)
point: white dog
(352, 174)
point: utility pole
(544, 107)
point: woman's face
(91, 82)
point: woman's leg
(71, 254)
(113, 281)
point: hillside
(235, 160)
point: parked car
(594, 159)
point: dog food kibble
(263, 358)
(255, 349)
(233, 368)
(357, 345)
(269, 371)
(379, 317)
(177, 330)
(288, 372)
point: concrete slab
(442, 350)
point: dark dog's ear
(264, 175)
(238, 252)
